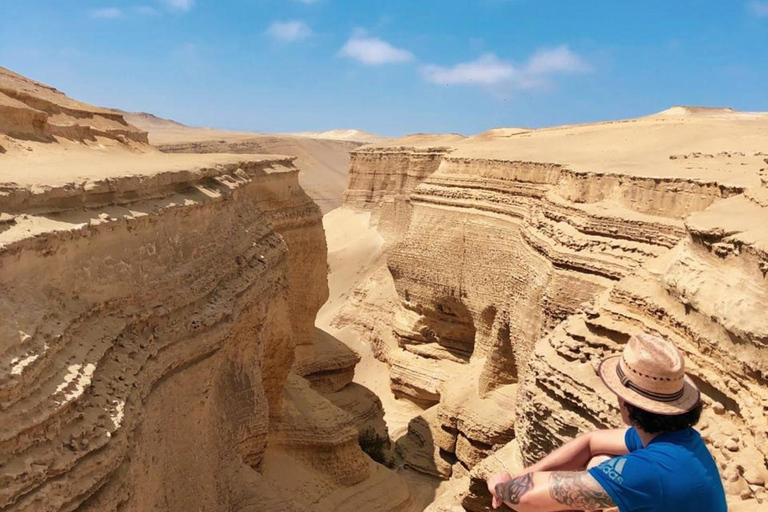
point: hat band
(658, 397)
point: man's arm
(572, 456)
(552, 492)
(575, 454)
(578, 490)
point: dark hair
(658, 423)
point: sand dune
(350, 135)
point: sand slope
(323, 158)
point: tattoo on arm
(512, 491)
(579, 490)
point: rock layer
(382, 179)
(94, 321)
(705, 295)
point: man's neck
(645, 437)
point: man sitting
(659, 464)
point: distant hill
(351, 135)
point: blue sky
(393, 67)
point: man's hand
(498, 478)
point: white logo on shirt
(613, 468)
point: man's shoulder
(632, 481)
(639, 465)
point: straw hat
(650, 374)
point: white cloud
(489, 70)
(373, 51)
(759, 9)
(116, 12)
(106, 13)
(179, 5)
(289, 31)
(556, 60)
(486, 70)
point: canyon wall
(520, 261)
(385, 177)
(707, 295)
(157, 339)
(147, 340)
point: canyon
(516, 260)
(195, 324)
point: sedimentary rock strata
(155, 314)
(520, 261)
(88, 337)
(384, 177)
(707, 295)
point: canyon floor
(199, 319)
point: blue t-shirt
(674, 472)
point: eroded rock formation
(157, 339)
(519, 260)
(30, 110)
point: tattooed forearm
(578, 490)
(512, 491)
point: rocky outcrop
(138, 344)
(706, 295)
(499, 253)
(332, 366)
(94, 324)
(517, 260)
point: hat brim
(690, 398)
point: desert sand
(188, 320)
(322, 157)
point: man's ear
(624, 412)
